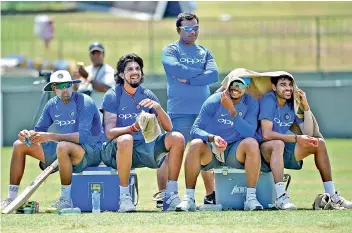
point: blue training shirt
(195, 64)
(79, 115)
(215, 119)
(282, 118)
(129, 107)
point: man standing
(76, 146)
(190, 69)
(281, 150)
(127, 148)
(223, 134)
(98, 76)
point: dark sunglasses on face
(61, 86)
(190, 28)
(239, 85)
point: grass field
(247, 40)
(304, 187)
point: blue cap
(96, 46)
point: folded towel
(261, 84)
(149, 126)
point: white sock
(124, 190)
(280, 189)
(171, 186)
(13, 191)
(66, 191)
(329, 187)
(190, 193)
(251, 192)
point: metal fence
(321, 43)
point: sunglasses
(239, 85)
(61, 86)
(190, 28)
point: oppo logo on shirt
(282, 124)
(128, 116)
(225, 122)
(63, 123)
(192, 60)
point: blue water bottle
(95, 202)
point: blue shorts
(150, 155)
(289, 159)
(230, 158)
(183, 123)
(91, 158)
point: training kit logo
(240, 113)
(72, 114)
(63, 123)
(128, 116)
(192, 60)
(225, 122)
(239, 190)
(282, 124)
(287, 116)
(60, 76)
(201, 52)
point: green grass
(253, 42)
(304, 187)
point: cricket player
(190, 69)
(223, 134)
(77, 144)
(281, 150)
(127, 148)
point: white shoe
(187, 204)
(61, 203)
(284, 202)
(171, 200)
(4, 203)
(337, 199)
(252, 204)
(126, 204)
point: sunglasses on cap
(190, 28)
(240, 85)
(61, 86)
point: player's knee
(18, 145)
(62, 148)
(252, 146)
(177, 139)
(322, 143)
(277, 145)
(196, 144)
(124, 141)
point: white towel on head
(149, 126)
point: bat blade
(27, 193)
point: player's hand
(40, 137)
(220, 143)
(182, 80)
(82, 71)
(303, 99)
(148, 103)
(24, 133)
(227, 103)
(307, 141)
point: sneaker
(126, 204)
(210, 199)
(61, 203)
(171, 200)
(252, 204)
(5, 203)
(159, 198)
(187, 204)
(337, 199)
(284, 203)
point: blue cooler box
(106, 181)
(231, 188)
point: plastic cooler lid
(100, 170)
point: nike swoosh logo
(124, 108)
(222, 114)
(57, 115)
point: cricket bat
(27, 193)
